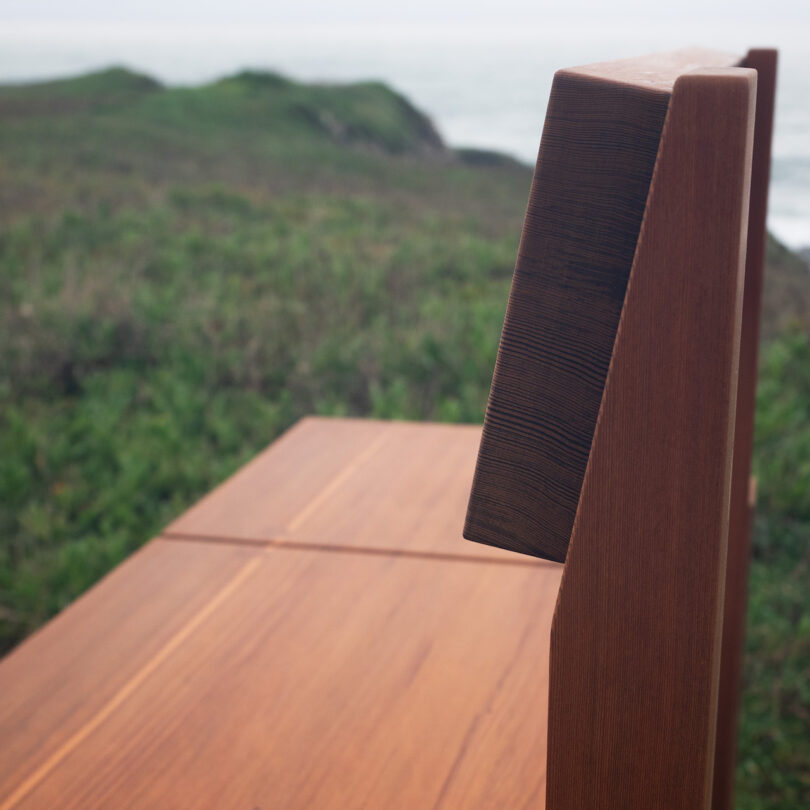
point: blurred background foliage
(186, 272)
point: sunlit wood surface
(315, 633)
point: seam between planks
(289, 544)
(41, 772)
(282, 540)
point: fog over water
(484, 86)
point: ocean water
(485, 87)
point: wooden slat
(264, 496)
(636, 635)
(386, 486)
(55, 683)
(409, 495)
(332, 681)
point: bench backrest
(619, 427)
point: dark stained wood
(635, 643)
(387, 486)
(739, 546)
(597, 154)
(315, 679)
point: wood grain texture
(385, 486)
(635, 644)
(739, 545)
(264, 496)
(313, 633)
(593, 172)
(596, 159)
(55, 683)
(331, 681)
(656, 71)
(222, 673)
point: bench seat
(314, 633)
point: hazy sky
(481, 71)
(353, 12)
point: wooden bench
(316, 633)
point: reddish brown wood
(557, 337)
(53, 685)
(261, 498)
(764, 62)
(332, 682)
(635, 641)
(658, 71)
(390, 486)
(599, 147)
(219, 673)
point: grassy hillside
(186, 271)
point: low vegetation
(186, 272)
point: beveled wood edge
(657, 72)
(743, 486)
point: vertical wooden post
(614, 438)
(635, 643)
(739, 545)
